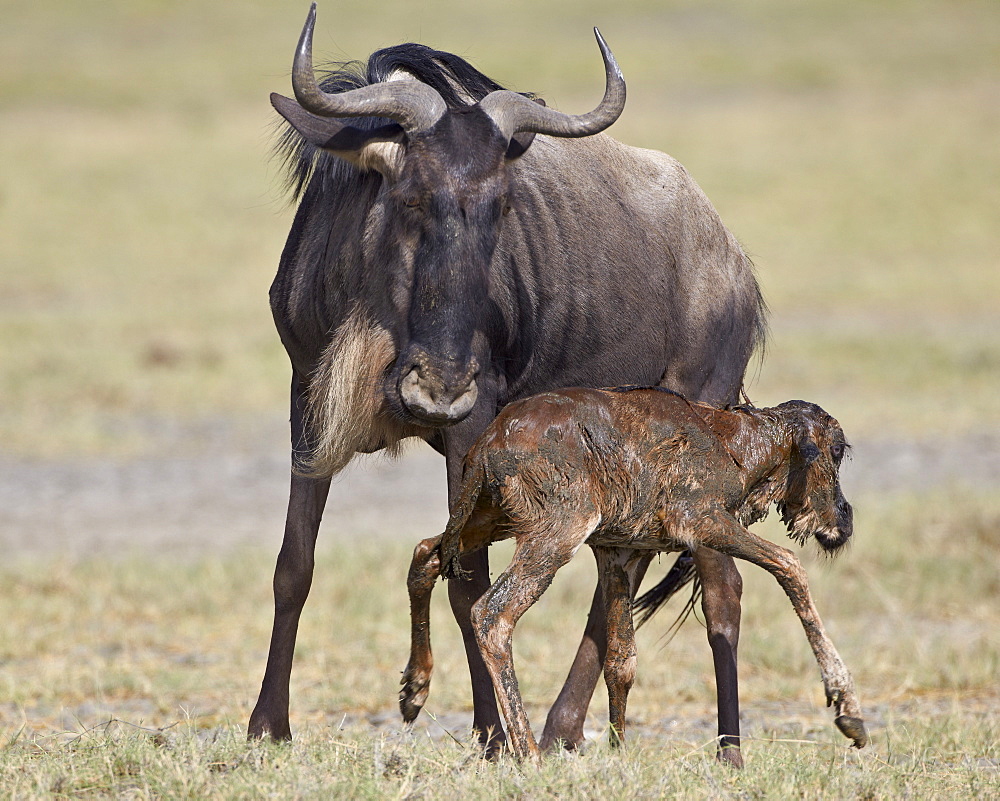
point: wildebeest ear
(520, 142)
(346, 141)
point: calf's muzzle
(837, 536)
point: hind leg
(620, 661)
(728, 536)
(568, 714)
(541, 550)
(463, 594)
(424, 571)
(722, 589)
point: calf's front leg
(568, 714)
(729, 537)
(721, 593)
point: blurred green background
(854, 148)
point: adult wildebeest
(630, 471)
(445, 261)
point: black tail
(681, 573)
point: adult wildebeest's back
(624, 272)
(458, 247)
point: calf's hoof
(413, 694)
(853, 729)
(527, 754)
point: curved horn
(514, 113)
(414, 105)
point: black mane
(443, 71)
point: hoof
(558, 744)
(264, 723)
(260, 731)
(493, 745)
(853, 729)
(730, 755)
(413, 696)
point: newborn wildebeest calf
(625, 471)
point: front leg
(722, 589)
(729, 537)
(292, 580)
(463, 595)
(613, 569)
(568, 714)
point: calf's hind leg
(541, 550)
(424, 571)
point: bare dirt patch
(224, 484)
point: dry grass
(852, 149)
(172, 651)
(120, 762)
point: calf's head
(812, 503)
(445, 192)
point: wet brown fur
(628, 473)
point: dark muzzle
(837, 538)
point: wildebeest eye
(411, 201)
(837, 451)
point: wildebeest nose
(439, 397)
(845, 518)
